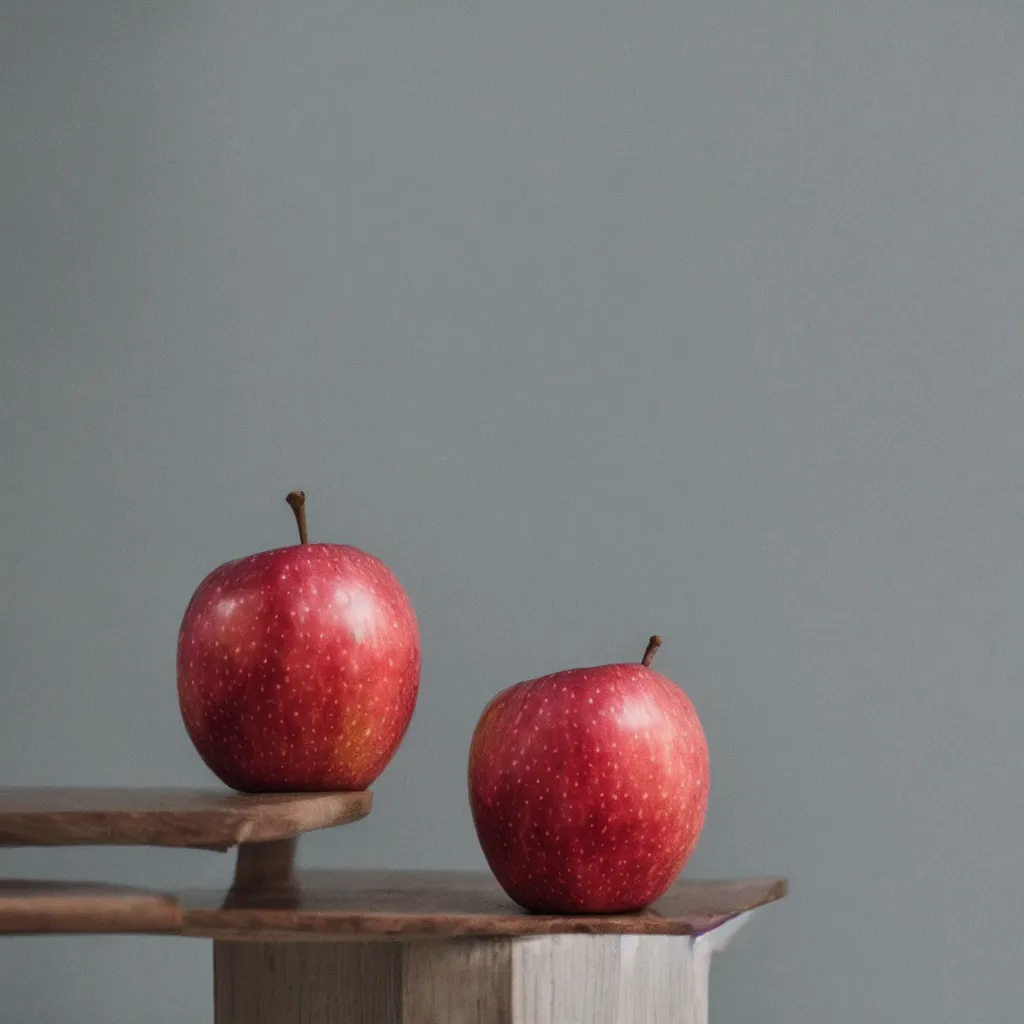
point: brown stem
(652, 648)
(297, 500)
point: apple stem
(652, 648)
(297, 500)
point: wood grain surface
(335, 905)
(200, 819)
(545, 979)
(40, 908)
(608, 979)
(363, 982)
(359, 905)
(459, 982)
(299, 983)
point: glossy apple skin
(588, 788)
(298, 669)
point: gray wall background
(591, 319)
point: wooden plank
(457, 982)
(41, 908)
(200, 819)
(303, 983)
(340, 906)
(363, 983)
(556, 975)
(546, 979)
(333, 905)
(608, 979)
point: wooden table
(368, 947)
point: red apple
(298, 668)
(588, 787)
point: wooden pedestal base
(368, 947)
(542, 979)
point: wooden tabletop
(390, 904)
(67, 908)
(200, 819)
(354, 905)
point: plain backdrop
(592, 320)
